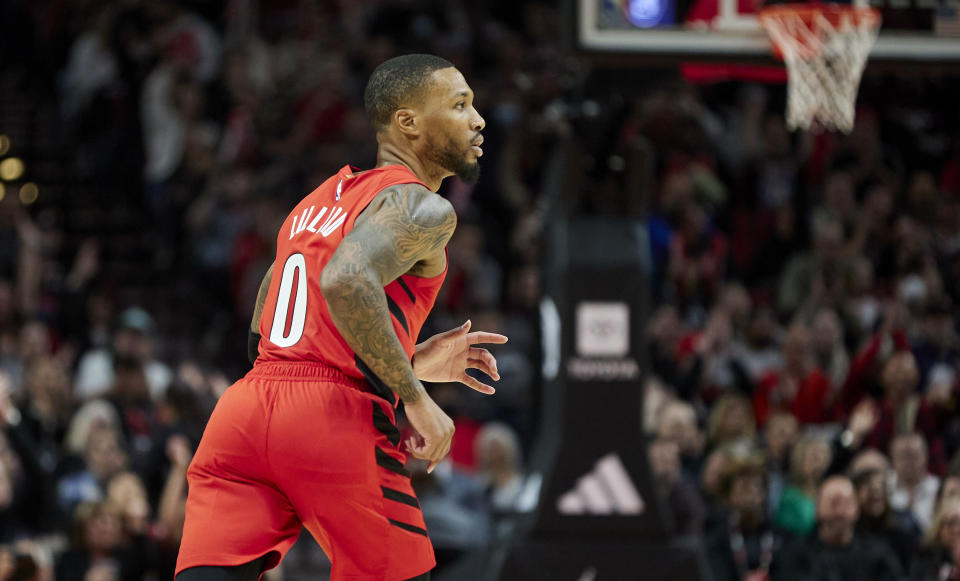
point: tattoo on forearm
(408, 224)
(359, 309)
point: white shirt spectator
(95, 376)
(90, 67)
(758, 362)
(921, 503)
(163, 128)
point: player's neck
(387, 154)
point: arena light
(3, 192)
(4, 144)
(11, 169)
(29, 192)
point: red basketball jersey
(295, 324)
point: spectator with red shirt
(759, 353)
(711, 360)
(800, 388)
(865, 367)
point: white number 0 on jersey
(295, 264)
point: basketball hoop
(825, 48)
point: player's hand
(434, 431)
(447, 356)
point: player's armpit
(261, 300)
(403, 225)
(253, 346)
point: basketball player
(308, 436)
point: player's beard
(451, 158)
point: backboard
(912, 30)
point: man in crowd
(682, 496)
(912, 487)
(834, 550)
(742, 545)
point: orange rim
(832, 12)
(806, 13)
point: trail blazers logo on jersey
(607, 489)
(307, 221)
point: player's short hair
(395, 82)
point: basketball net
(825, 48)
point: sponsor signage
(606, 489)
(602, 339)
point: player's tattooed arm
(402, 226)
(261, 300)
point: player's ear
(406, 120)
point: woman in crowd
(897, 528)
(100, 549)
(936, 562)
(809, 461)
(730, 420)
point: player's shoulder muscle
(411, 213)
(403, 225)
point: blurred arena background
(708, 314)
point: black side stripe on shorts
(386, 427)
(407, 290)
(387, 461)
(379, 387)
(398, 313)
(391, 494)
(406, 527)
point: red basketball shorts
(301, 444)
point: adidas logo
(607, 489)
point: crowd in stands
(804, 348)
(801, 382)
